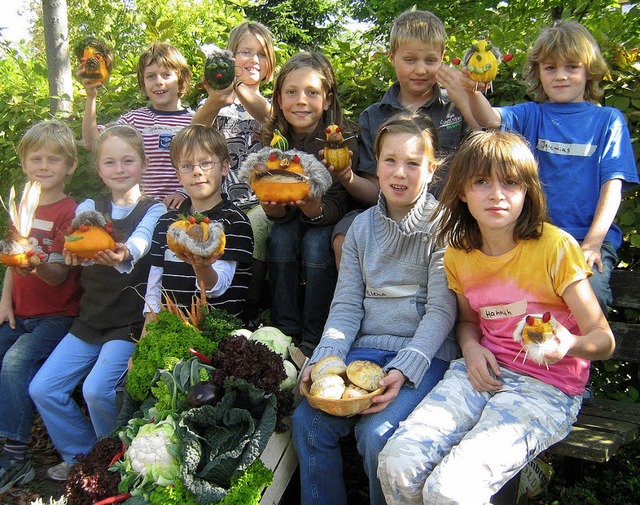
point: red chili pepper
(114, 499)
(119, 454)
(201, 357)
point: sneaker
(14, 472)
(60, 472)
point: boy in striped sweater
(164, 77)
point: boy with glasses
(200, 156)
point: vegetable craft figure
(536, 334)
(95, 60)
(89, 233)
(336, 151)
(16, 251)
(197, 235)
(279, 175)
(219, 66)
(482, 60)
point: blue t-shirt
(579, 147)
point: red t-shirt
(32, 297)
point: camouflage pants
(459, 445)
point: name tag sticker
(502, 311)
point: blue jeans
(22, 352)
(600, 281)
(316, 437)
(298, 252)
(102, 366)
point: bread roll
(365, 374)
(328, 365)
(328, 386)
(352, 391)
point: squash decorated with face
(95, 62)
(196, 234)
(219, 66)
(89, 233)
(336, 151)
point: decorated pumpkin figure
(482, 60)
(336, 151)
(219, 66)
(89, 233)
(15, 249)
(536, 334)
(197, 235)
(95, 60)
(278, 175)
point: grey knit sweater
(392, 292)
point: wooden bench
(603, 426)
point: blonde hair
(413, 124)
(165, 55)
(127, 133)
(52, 134)
(572, 42)
(260, 32)
(198, 137)
(417, 26)
(509, 156)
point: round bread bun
(352, 391)
(328, 365)
(328, 386)
(365, 374)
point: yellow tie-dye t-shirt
(529, 279)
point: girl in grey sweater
(391, 306)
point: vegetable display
(207, 401)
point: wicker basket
(341, 408)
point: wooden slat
(625, 286)
(628, 412)
(628, 432)
(583, 443)
(281, 477)
(627, 337)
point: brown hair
(317, 62)
(53, 134)
(127, 133)
(509, 155)
(260, 32)
(570, 41)
(417, 26)
(414, 124)
(197, 136)
(168, 56)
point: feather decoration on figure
(537, 335)
(16, 250)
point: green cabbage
(274, 339)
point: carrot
(113, 499)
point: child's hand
(482, 368)
(311, 207)
(112, 258)
(457, 81)
(198, 261)
(72, 260)
(7, 314)
(24, 271)
(565, 340)
(91, 88)
(306, 376)
(274, 209)
(593, 257)
(394, 380)
(173, 200)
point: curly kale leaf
(218, 324)
(246, 488)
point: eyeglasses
(250, 54)
(205, 166)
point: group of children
(377, 268)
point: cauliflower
(155, 453)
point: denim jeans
(301, 253)
(22, 352)
(102, 366)
(316, 437)
(600, 281)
